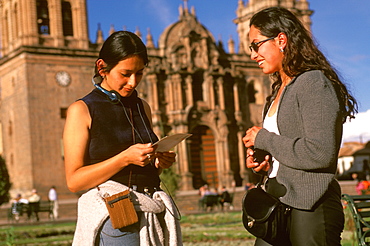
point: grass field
(216, 229)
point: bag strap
(110, 203)
(262, 179)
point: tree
(4, 182)
(170, 181)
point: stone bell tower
(246, 10)
(46, 62)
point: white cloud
(163, 11)
(358, 129)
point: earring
(281, 50)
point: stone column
(79, 17)
(28, 12)
(221, 95)
(225, 173)
(189, 91)
(183, 169)
(56, 23)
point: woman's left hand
(165, 159)
(250, 136)
(265, 165)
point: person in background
(34, 205)
(362, 185)
(53, 199)
(17, 206)
(202, 191)
(302, 127)
(108, 142)
(225, 197)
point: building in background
(193, 84)
(346, 159)
(361, 161)
(46, 57)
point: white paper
(168, 142)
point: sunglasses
(255, 46)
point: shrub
(4, 182)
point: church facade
(192, 83)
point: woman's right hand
(81, 176)
(257, 167)
(139, 154)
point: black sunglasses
(255, 46)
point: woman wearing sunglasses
(302, 127)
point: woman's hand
(165, 159)
(250, 136)
(248, 141)
(139, 154)
(257, 167)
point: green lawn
(213, 227)
(198, 229)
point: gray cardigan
(310, 126)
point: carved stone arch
(203, 162)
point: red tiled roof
(349, 148)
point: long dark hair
(119, 46)
(300, 54)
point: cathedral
(193, 83)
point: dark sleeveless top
(111, 133)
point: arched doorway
(203, 157)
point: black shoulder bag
(264, 216)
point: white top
(53, 195)
(270, 124)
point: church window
(6, 25)
(197, 86)
(67, 19)
(251, 93)
(16, 26)
(43, 17)
(63, 113)
(10, 128)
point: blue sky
(340, 28)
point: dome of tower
(187, 27)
